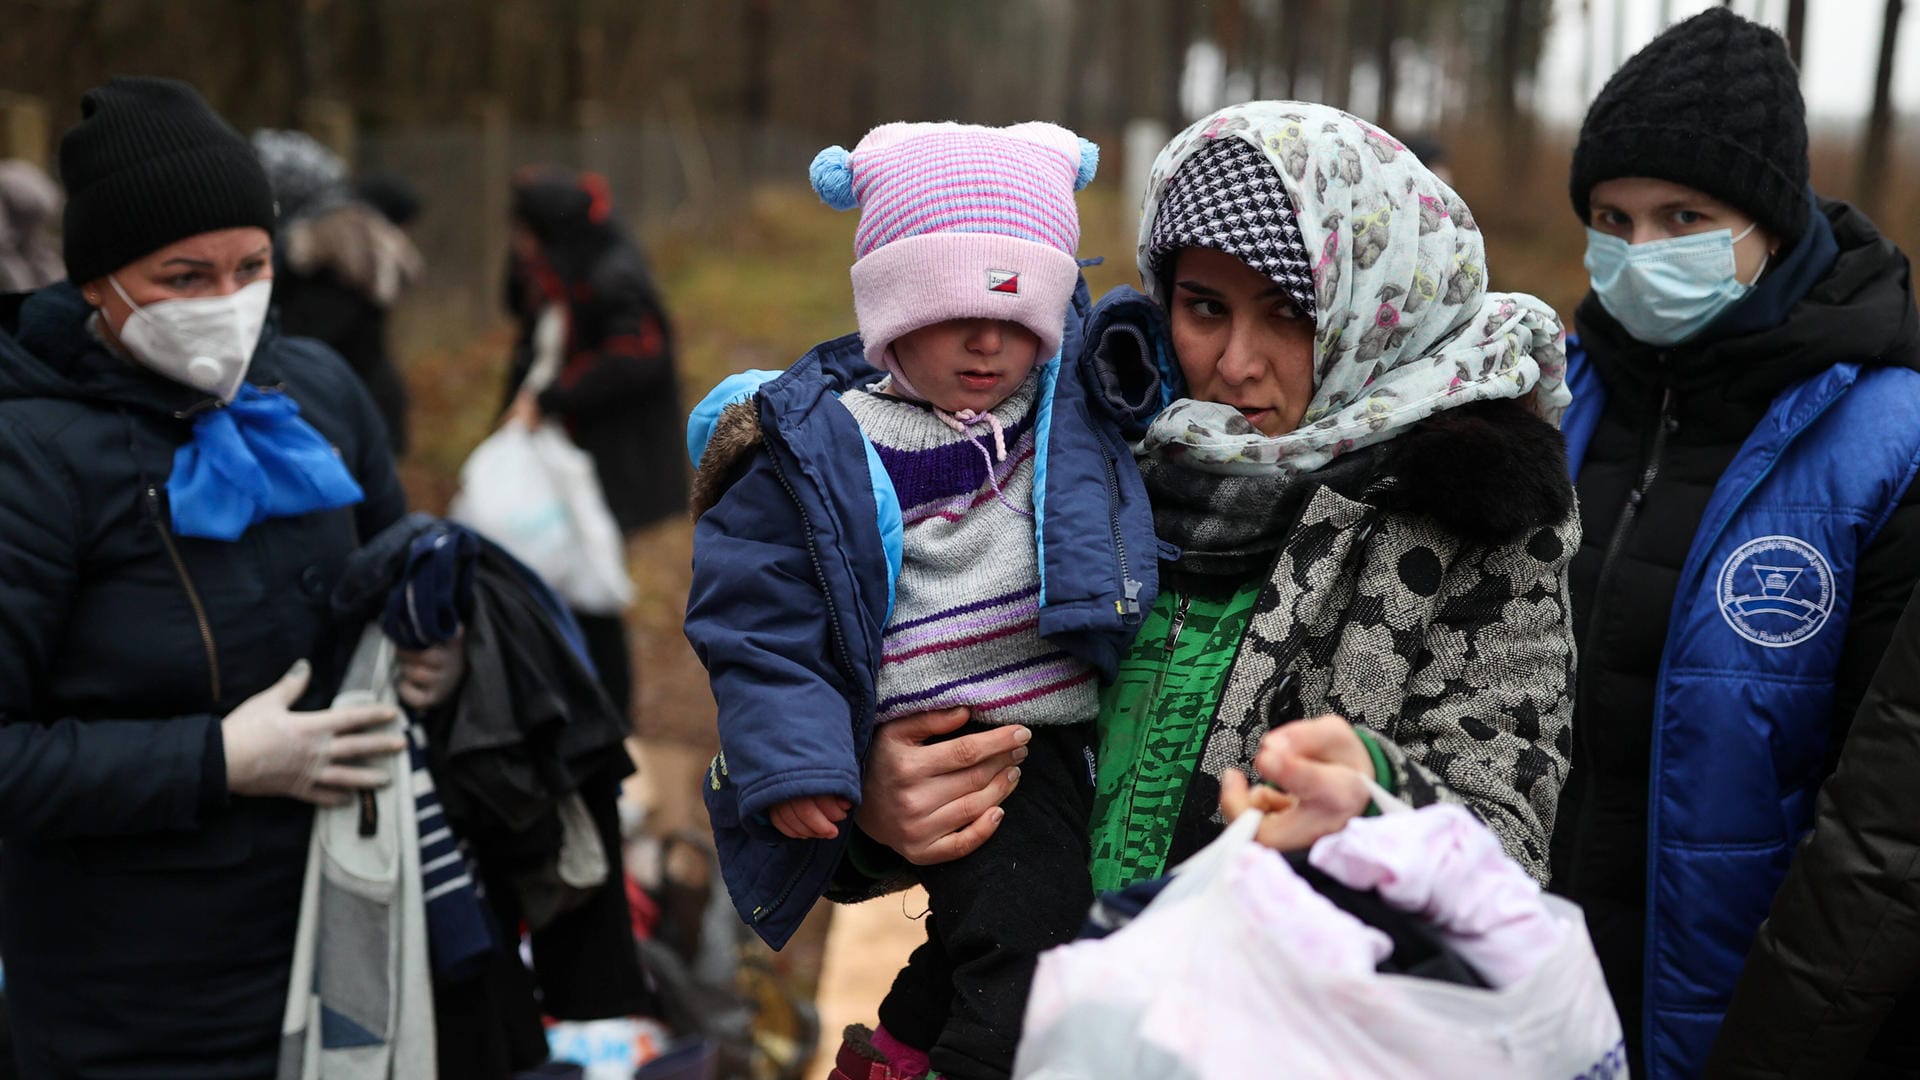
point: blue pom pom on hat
(832, 177)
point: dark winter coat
(617, 391)
(795, 555)
(1829, 988)
(1673, 423)
(149, 914)
(337, 275)
(1423, 596)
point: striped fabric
(965, 627)
(459, 931)
(959, 221)
(950, 178)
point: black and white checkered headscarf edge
(1228, 197)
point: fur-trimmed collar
(1489, 472)
(736, 435)
(362, 248)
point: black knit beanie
(1713, 103)
(150, 163)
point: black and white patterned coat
(1427, 603)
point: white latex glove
(429, 677)
(272, 750)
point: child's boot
(876, 1055)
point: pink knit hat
(959, 221)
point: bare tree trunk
(866, 77)
(1338, 65)
(756, 96)
(1269, 30)
(1074, 100)
(1178, 33)
(1513, 133)
(300, 60)
(1387, 31)
(1296, 18)
(1873, 156)
(1796, 28)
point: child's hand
(810, 817)
(1321, 765)
(1237, 796)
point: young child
(941, 511)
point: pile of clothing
(506, 820)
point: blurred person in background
(180, 487)
(29, 205)
(1744, 433)
(341, 263)
(587, 306)
(396, 199)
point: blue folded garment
(252, 460)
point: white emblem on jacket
(1776, 591)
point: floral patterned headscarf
(1404, 324)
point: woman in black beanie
(1746, 424)
(179, 487)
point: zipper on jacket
(1628, 513)
(1128, 608)
(1176, 625)
(193, 594)
(1650, 1000)
(839, 646)
(1609, 562)
(1142, 731)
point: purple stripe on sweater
(946, 641)
(968, 694)
(948, 471)
(959, 621)
(955, 506)
(1006, 679)
(1031, 695)
(1032, 590)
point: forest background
(703, 114)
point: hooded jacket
(796, 550)
(341, 271)
(1659, 439)
(149, 914)
(617, 390)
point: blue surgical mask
(1666, 291)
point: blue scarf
(253, 460)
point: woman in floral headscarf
(1359, 466)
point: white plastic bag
(536, 494)
(1210, 981)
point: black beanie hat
(150, 163)
(1713, 103)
